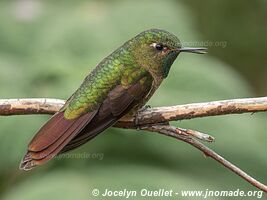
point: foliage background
(46, 49)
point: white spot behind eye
(153, 45)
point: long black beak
(193, 50)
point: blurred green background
(47, 48)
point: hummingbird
(121, 83)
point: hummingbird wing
(60, 134)
(119, 102)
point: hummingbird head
(156, 50)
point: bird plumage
(123, 81)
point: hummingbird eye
(158, 46)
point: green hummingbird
(121, 83)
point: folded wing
(59, 134)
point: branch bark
(195, 110)
(157, 120)
(148, 116)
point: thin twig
(155, 119)
(196, 134)
(178, 134)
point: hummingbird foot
(136, 120)
(145, 107)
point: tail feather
(52, 138)
(62, 140)
(50, 132)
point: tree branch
(156, 120)
(195, 110)
(181, 135)
(144, 117)
(30, 106)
